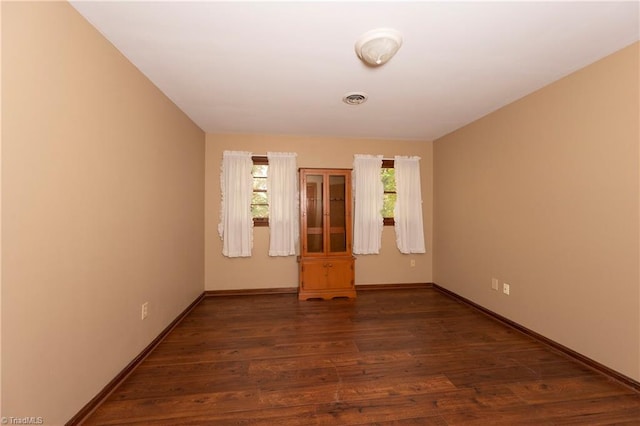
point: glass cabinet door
(325, 207)
(314, 211)
(337, 214)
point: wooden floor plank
(401, 357)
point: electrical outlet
(412, 263)
(505, 288)
(145, 310)
(494, 284)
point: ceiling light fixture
(376, 47)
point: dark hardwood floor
(395, 357)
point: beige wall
(544, 195)
(102, 189)
(0, 222)
(261, 271)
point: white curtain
(369, 193)
(282, 190)
(407, 213)
(236, 223)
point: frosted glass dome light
(376, 47)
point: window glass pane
(259, 198)
(259, 183)
(389, 179)
(259, 171)
(388, 203)
(260, 210)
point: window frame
(260, 160)
(388, 164)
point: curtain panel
(236, 223)
(368, 193)
(282, 190)
(408, 209)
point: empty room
(320, 213)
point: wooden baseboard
(251, 292)
(594, 365)
(407, 286)
(115, 382)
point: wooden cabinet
(326, 260)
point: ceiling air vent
(355, 98)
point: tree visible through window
(259, 199)
(388, 176)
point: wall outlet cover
(506, 288)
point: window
(259, 199)
(388, 176)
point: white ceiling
(283, 67)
